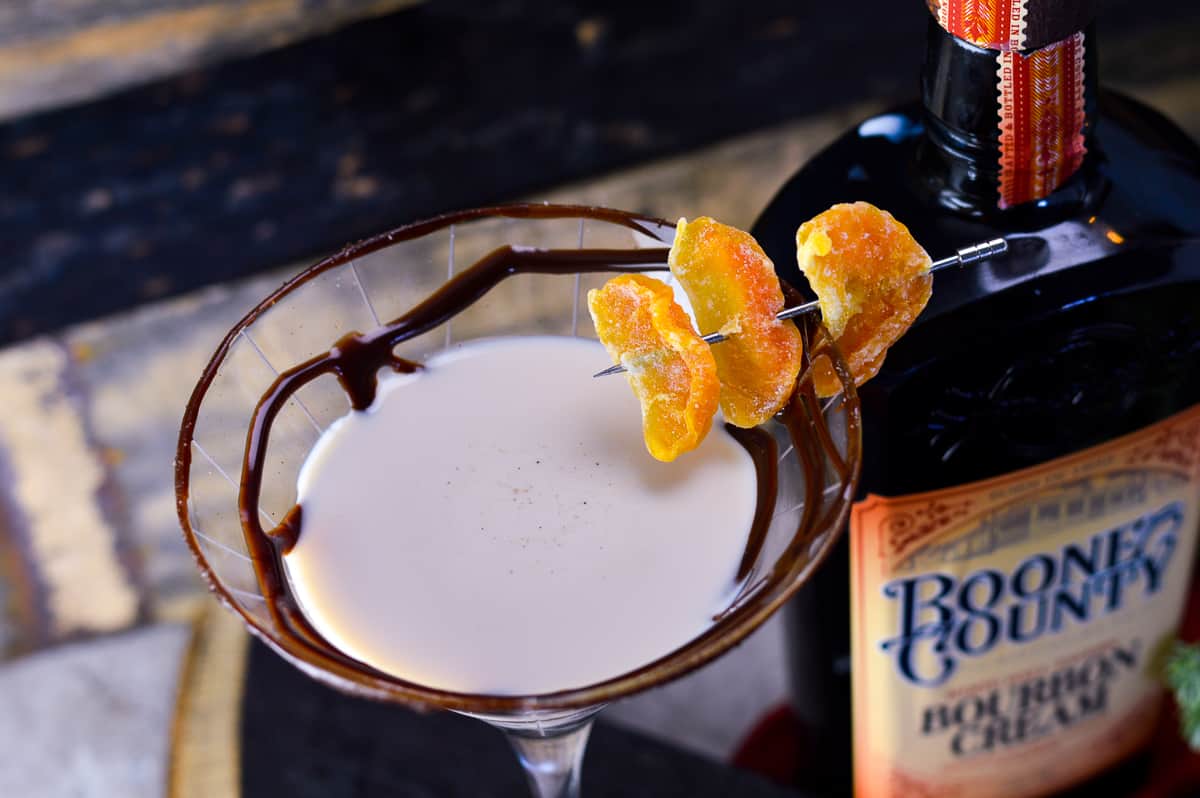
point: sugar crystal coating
(872, 279)
(734, 290)
(671, 370)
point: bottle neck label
(1015, 620)
(1008, 106)
(1041, 119)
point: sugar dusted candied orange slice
(734, 290)
(671, 370)
(872, 279)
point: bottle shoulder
(1142, 181)
(1088, 329)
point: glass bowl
(359, 290)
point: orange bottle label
(1004, 632)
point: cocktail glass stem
(550, 748)
(552, 763)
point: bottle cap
(1013, 25)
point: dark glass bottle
(1089, 329)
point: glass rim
(733, 625)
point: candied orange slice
(734, 290)
(872, 279)
(671, 370)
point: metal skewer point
(964, 256)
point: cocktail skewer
(964, 256)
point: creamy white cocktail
(492, 523)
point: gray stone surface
(90, 720)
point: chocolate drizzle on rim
(355, 360)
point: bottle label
(1005, 632)
(1041, 119)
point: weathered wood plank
(242, 167)
(63, 51)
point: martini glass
(360, 289)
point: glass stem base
(549, 746)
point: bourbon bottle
(1023, 542)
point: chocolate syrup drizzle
(355, 360)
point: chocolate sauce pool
(355, 360)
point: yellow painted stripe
(56, 483)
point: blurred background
(164, 164)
